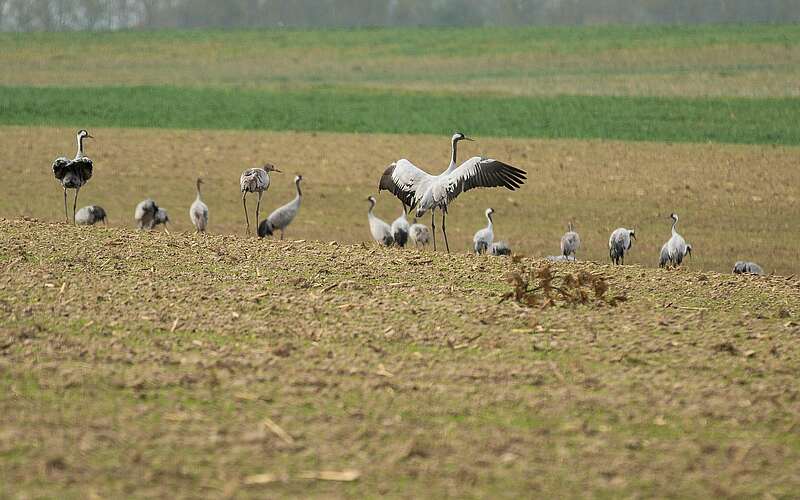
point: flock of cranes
(75, 173)
(417, 190)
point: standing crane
(483, 239)
(198, 212)
(570, 242)
(281, 217)
(73, 174)
(255, 180)
(620, 243)
(675, 249)
(381, 231)
(400, 229)
(417, 188)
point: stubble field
(147, 364)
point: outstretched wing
(60, 167)
(83, 166)
(483, 172)
(404, 180)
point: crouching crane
(88, 216)
(148, 215)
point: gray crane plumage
(744, 267)
(148, 215)
(281, 217)
(90, 215)
(419, 234)
(75, 173)
(620, 243)
(198, 212)
(483, 239)
(423, 191)
(675, 249)
(400, 229)
(255, 180)
(570, 242)
(500, 248)
(380, 230)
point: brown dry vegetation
(735, 202)
(391, 60)
(147, 364)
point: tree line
(52, 15)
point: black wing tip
(386, 179)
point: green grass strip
(728, 120)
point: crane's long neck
(79, 154)
(491, 224)
(453, 155)
(674, 221)
(297, 185)
(198, 189)
(371, 206)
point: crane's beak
(166, 229)
(633, 235)
(278, 171)
(470, 139)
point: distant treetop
(52, 15)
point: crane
(148, 215)
(620, 243)
(75, 173)
(281, 217)
(90, 215)
(381, 231)
(570, 242)
(198, 212)
(400, 229)
(417, 188)
(255, 180)
(483, 239)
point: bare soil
(146, 364)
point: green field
(147, 364)
(732, 120)
(733, 84)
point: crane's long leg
(258, 206)
(246, 217)
(444, 231)
(433, 228)
(281, 233)
(66, 216)
(75, 204)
